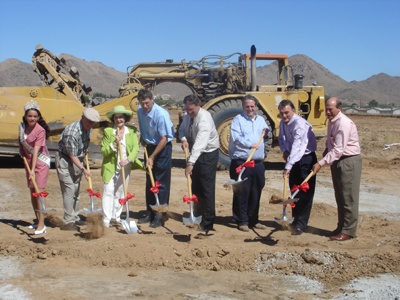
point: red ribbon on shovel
(92, 193)
(247, 164)
(155, 189)
(42, 193)
(188, 199)
(123, 201)
(304, 187)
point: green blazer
(110, 155)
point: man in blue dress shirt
(156, 134)
(246, 130)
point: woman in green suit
(125, 136)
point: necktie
(190, 134)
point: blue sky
(354, 39)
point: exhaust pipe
(253, 67)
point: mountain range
(103, 79)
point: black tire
(223, 114)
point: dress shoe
(340, 237)
(259, 226)
(164, 217)
(69, 226)
(335, 232)
(244, 228)
(156, 222)
(80, 223)
(204, 228)
(41, 231)
(297, 231)
(146, 219)
(32, 226)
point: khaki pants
(69, 177)
(346, 177)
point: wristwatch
(82, 169)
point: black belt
(347, 156)
(256, 161)
(151, 146)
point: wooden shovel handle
(308, 177)
(29, 171)
(285, 182)
(122, 168)
(148, 167)
(254, 149)
(88, 168)
(189, 180)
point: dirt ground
(176, 262)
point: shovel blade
(190, 222)
(130, 226)
(285, 219)
(238, 187)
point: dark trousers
(203, 186)
(246, 204)
(300, 170)
(162, 173)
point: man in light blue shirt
(156, 134)
(298, 144)
(246, 130)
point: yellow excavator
(62, 100)
(220, 82)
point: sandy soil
(176, 262)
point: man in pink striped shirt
(343, 154)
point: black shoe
(297, 231)
(164, 217)
(146, 219)
(80, 223)
(69, 226)
(205, 229)
(156, 222)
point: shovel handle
(148, 167)
(285, 181)
(122, 168)
(308, 177)
(189, 180)
(254, 149)
(29, 171)
(88, 168)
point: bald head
(333, 106)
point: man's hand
(188, 170)
(316, 168)
(184, 145)
(286, 173)
(285, 155)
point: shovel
(90, 191)
(284, 218)
(190, 222)
(129, 226)
(304, 187)
(157, 207)
(237, 186)
(38, 193)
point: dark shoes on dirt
(297, 231)
(246, 228)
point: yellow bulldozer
(220, 82)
